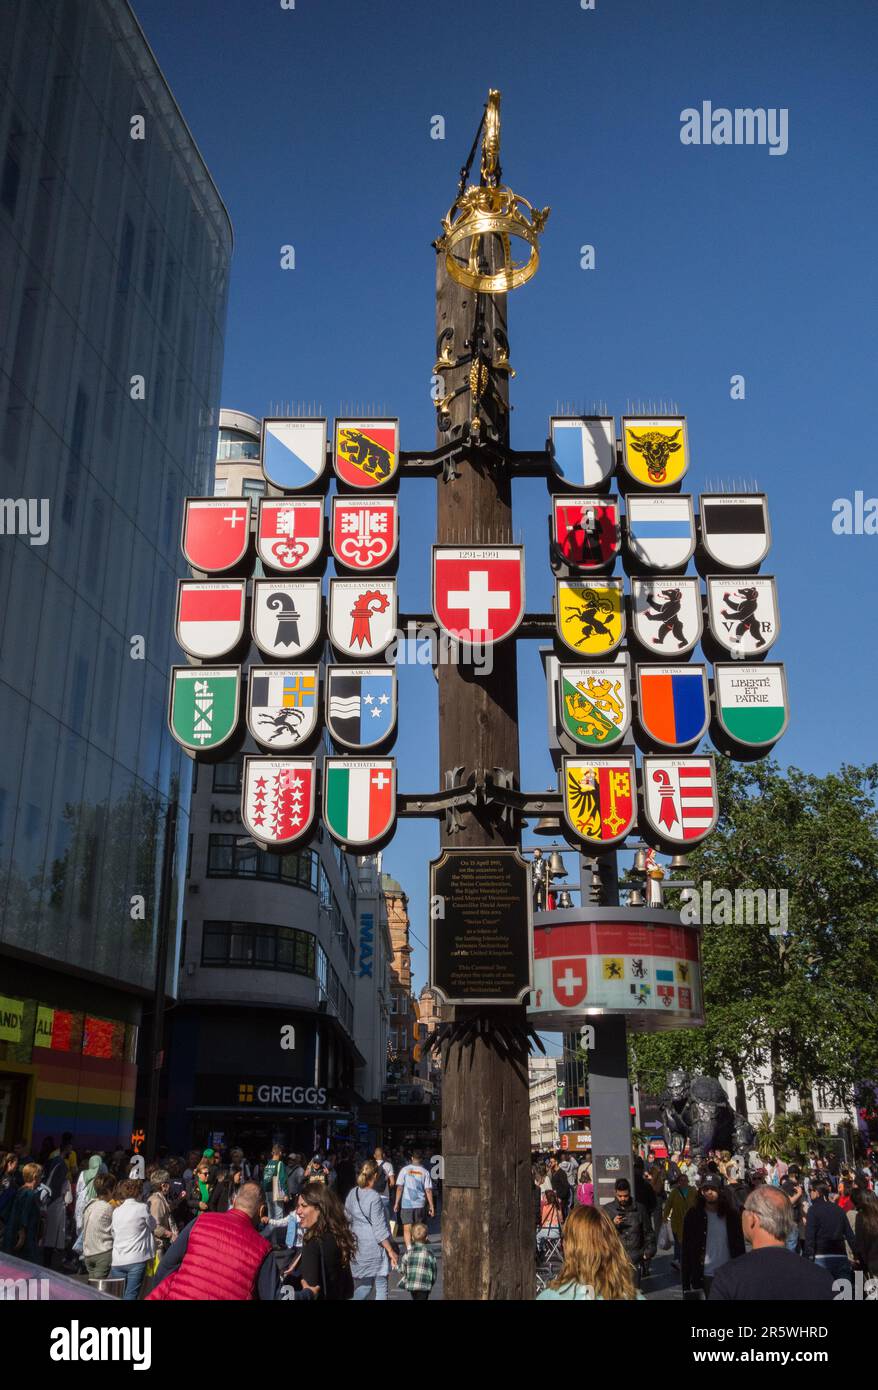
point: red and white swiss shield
(478, 591)
(289, 532)
(570, 980)
(216, 532)
(365, 531)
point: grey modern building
(114, 260)
(280, 1029)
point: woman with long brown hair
(328, 1243)
(595, 1264)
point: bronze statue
(697, 1109)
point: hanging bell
(640, 862)
(556, 865)
(564, 899)
(635, 898)
(550, 826)
(679, 861)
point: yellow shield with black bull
(655, 452)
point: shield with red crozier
(570, 981)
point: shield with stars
(364, 531)
(289, 532)
(599, 798)
(282, 705)
(359, 799)
(360, 704)
(366, 452)
(277, 799)
(478, 592)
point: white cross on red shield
(478, 591)
(570, 981)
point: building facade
(543, 1078)
(280, 1032)
(114, 258)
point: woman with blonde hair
(595, 1264)
(375, 1254)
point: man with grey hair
(770, 1272)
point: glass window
(322, 972)
(259, 947)
(253, 487)
(227, 776)
(221, 487)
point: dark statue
(697, 1109)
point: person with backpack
(274, 1183)
(585, 1184)
(375, 1254)
(316, 1171)
(21, 1236)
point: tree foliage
(802, 1000)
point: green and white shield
(204, 705)
(594, 703)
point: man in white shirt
(414, 1188)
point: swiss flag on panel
(570, 981)
(478, 591)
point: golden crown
(491, 209)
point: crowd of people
(773, 1231)
(334, 1226)
(223, 1226)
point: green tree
(800, 996)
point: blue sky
(710, 261)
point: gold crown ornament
(490, 208)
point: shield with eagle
(599, 798)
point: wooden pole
(488, 1232)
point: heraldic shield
(365, 531)
(586, 531)
(595, 704)
(204, 706)
(277, 799)
(282, 706)
(478, 592)
(362, 615)
(359, 799)
(583, 449)
(680, 798)
(655, 452)
(293, 452)
(569, 980)
(599, 798)
(590, 615)
(735, 531)
(216, 533)
(289, 532)
(286, 616)
(210, 616)
(743, 613)
(666, 614)
(366, 452)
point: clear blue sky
(315, 123)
